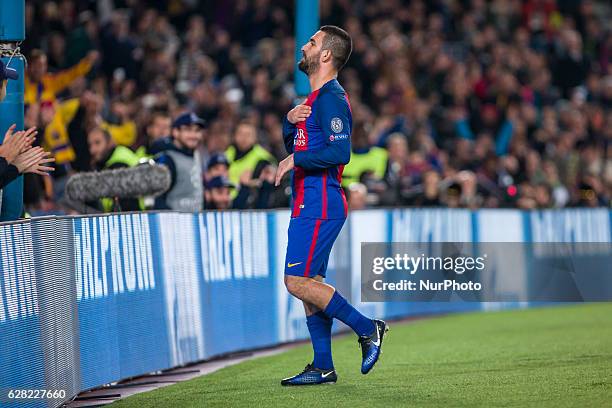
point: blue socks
(319, 326)
(339, 308)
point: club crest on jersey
(336, 125)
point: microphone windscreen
(132, 182)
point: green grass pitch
(544, 357)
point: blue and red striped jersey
(321, 146)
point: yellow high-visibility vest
(247, 162)
(125, 156)
(375, 161)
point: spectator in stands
(571, 66)
(397, 178)
(517, 93)
(364, 159)
(186, 192)
(257, 189)
(84, 113)
(217, 193)
(40, 85)
(157, 134)
(54, 118)
(217, 165)
(428, 194)
(542, 195)
(106, 155)
(246, 155)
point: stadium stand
(456, 103)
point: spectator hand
(123, 111)
(284, 167)
(299, 114)
(93, 56)
(512, 114)
(245, 178)
(97, 120)
(457, 114)
(16, 143)
(34, 161)
(268, 174)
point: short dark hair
(159, 113)
(340, 44)
(36, 54)
(107, 136)
(244, 122)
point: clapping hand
(35, 161)
(16, 143)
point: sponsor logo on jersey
(333, 138)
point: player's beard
(309, 65)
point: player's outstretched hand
(299, 113)
(283, 168)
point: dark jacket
(8, 172)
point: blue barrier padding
(85, 301)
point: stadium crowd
(458, 103)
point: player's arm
(334, 117)
(288, 134)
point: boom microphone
(133, 182)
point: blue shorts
(309, 245)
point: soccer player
(317, 135)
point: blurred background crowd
(458, 103)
